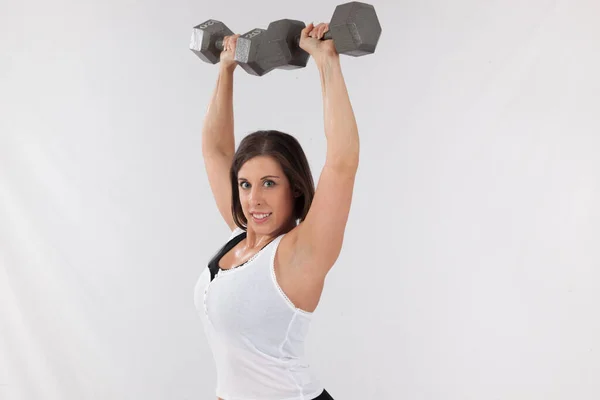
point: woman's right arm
(217, 130)
(218, 142)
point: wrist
(227, 69)
(327, 62)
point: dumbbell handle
(326, 36)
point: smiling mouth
(261, 219)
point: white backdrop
(470, 263)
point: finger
(306, 31)
(322, 31)
(318, 30)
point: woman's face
(264, 188)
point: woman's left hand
(310, 41)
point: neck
(258, 241)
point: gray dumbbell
(247, 51)
(260, 50)
(354, 29)
(207, 40)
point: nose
(256, 196)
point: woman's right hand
(227, 57)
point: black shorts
(324, 396)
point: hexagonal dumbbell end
(284, 34)
(248, 52)
(355, 29)
(207, 40)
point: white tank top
(255, 332)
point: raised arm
(320, 235)
(218, 141)
(217, 130)
(340, 124)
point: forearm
(340, 124)
(217, 130)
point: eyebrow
(264, 177)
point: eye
(273, 183)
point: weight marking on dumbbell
(207, 24)
(252, 34)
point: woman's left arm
(319, 238)
(340, 124)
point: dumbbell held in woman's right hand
(208, 41)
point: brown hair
(286, 150)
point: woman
(257, 297)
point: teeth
(260, 216)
